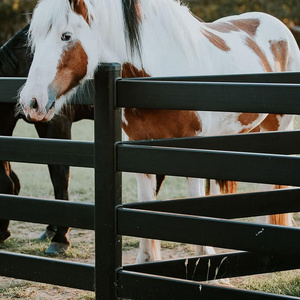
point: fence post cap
(110, 67)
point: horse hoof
(4, 235)
(47, 235)
(57, 248)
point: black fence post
(107, 181)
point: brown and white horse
(152, 38)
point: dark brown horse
(15, 61)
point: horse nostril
(28, 117)
(33, 103)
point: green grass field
(35, 182)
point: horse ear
(80, 8)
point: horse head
(64, 55)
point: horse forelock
(46, 15)
(52, 13)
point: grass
(284, 283)
(35, 182)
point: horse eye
(66, 36)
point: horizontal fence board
(61, 213)
(260, 238)
(239, 166)
(142, 286)
(46, 270)
(229, 206)
(9, 87)
(211, 267)
(43, 151)
(275, 77)
(287, 142)
(257, 97)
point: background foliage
(210, 10)
(14, 14)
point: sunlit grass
(284, 283)
(35, 182)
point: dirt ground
(24, 240)
(82, 251)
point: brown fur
(253, 45)
(247, 25)
(271, 122)
(144, 124)
(130, 71)
(279, 219)
(207, 187)
(246, 119)
(280, 53)
(224, 27)
(80, 8)
(71, 69)
(226, 187)
(216, 40)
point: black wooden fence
(264, 158)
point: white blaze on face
(60, 64)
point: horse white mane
(108, 20)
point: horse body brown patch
(280, 54)
(144, 124)
(247, 119)
(130, 71)
(247, 25)
(71, 69)
(258, 51)
(216, 40)
(224, 27)
(271, 122)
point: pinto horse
(152, 38)
(15, 61)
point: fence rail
(264, 158)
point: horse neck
(15, 59)
(162, 23)
(170, 34)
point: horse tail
(281, 219)
(207, 187)
(227, 187)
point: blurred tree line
(210, 10)
(286, 10)
(14, 14)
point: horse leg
(60, 180)
(9, 181)
(149, 249)
(196, 189)
(60, 175)
(9, 184)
